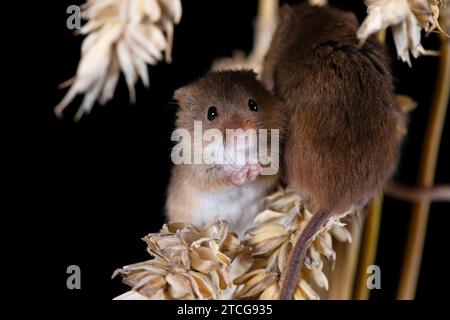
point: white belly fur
(238, 205)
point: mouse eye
(212, 113)
(252, 105)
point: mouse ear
(182, 93)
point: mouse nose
(248, 124)
(237, 122)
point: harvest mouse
(345, 126)
(201, 192)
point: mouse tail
(298, 253)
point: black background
(96, 187)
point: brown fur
(229, 92)
(343, 140)
(342, 144)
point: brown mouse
(345, 126)
(201, 192)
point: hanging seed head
(122, 36)
(270, 242)
(407, 18)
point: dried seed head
(406, 18)
(213, 263)
(188, 263)
(271, 241)
(121, 36)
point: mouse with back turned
(199, 193)
(345, 127)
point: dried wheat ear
(407, 18)
(121, 36)
(213, 263)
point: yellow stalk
(266, 21)
(343, 276)
(420, 210)
(369, 246)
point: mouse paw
(254, 171)
(245, 174)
